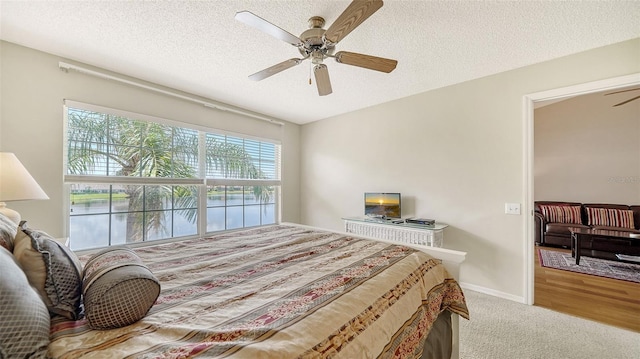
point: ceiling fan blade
(322, 79)
(270, 71)
(621, 91)
(629, 100)
(356, 13)
(367, 61)
(265, 26)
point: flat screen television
(382, 204)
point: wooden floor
(609, 301)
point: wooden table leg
(578, 246)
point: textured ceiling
(198, 47)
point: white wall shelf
(408, 233)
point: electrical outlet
(512, 208)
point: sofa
(554, 218)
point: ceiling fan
(626, 101)
(318, 44)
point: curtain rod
(66, 67)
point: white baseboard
(493, 292)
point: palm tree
(109, 145)
(235, 162)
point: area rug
(588, 265)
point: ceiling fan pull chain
(310, 64)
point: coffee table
(578, 234)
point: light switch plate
(512, 208)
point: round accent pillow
(118, 289)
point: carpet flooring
(588, 265)
(504, 329)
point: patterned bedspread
(280, 291)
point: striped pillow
(561, 214)
(610, 217)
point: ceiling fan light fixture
(316, 57)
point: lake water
(92, 226)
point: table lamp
(16, 184)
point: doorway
(529, 103)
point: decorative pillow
(8, 231)
(561, 214)
(610, 217)
(24, 319)
(118, 288)
(52, 269)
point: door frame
(528, 106)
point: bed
(281, 291)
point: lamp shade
(16, 184)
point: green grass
(90, 197)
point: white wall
(31, 125)
(455, 153)
(588, 151)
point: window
(133, 180)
